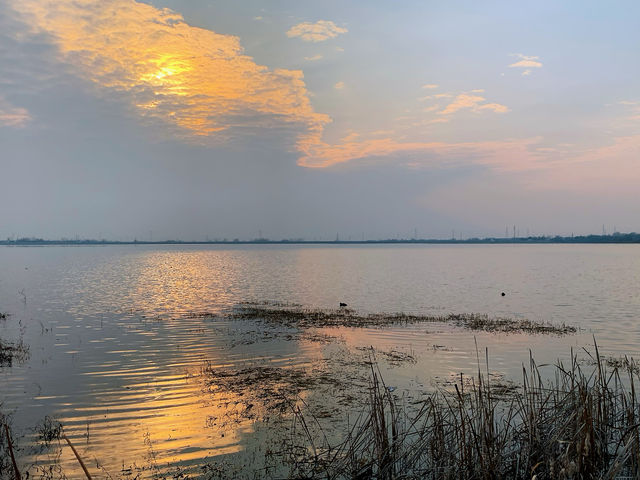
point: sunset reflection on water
(118, 336)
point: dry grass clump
(581, 425)
(299, 317)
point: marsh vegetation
(297, 316)
(575, 419)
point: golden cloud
(316, 32)
(197, 79)
(201, 81)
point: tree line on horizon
(616, 237)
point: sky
(207, 119)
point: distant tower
(514, 232)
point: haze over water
(117, 340)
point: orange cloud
(503, 155)
(196, 79)
(203, 83)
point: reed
(583, 423)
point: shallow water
(117, 346)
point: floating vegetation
(263, 390)
(508, 325)
(394, 357)
(10, 352)
(303, 318)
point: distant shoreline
(616, 238)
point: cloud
(430, 86)
(313, 58)
(316, 32)
(11, 116)
(632, 107)
(205, 86)
(515, 154)
(195, 79)
(526, 61)
(465, 101)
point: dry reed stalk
(16, 470)
(579, 424)
(86, 472)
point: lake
(119, 336)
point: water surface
(117, 341)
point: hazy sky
(199, 118)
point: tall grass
(583, 423)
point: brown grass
(300, 317)
(581, 425)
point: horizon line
(616, 237)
